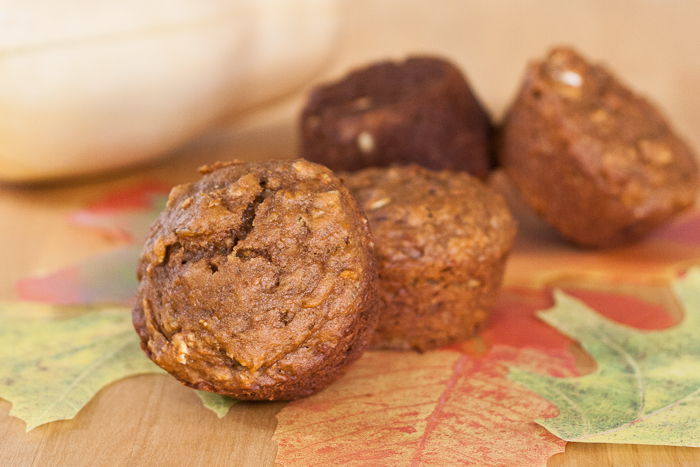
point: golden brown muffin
(441, 240)
(258, 281)
(420, 110)
(593, 159)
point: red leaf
(618, 307)
(136, 197)
(449, 408)
(513, 322)
(51, 288)
(439, 408)
(124, 216)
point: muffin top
(595, 160)
(420, 217)
(420, 110)
(253, 275)
(621, 139)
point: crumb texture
(258, 281)
(595, 160)
(441, 240)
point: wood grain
(152, 420)
(144, 421)
(624, 455)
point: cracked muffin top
(258, 281)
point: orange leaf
(439, 408)
(450, 407)
(377, 414)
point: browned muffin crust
(418, 111)
(594, 160)
(258, 281)
(441, 240)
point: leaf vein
(656, 412)
(633, 363)
(575, 406)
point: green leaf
(220, 405)
(646, 389)
(54, 359)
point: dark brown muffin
(258, 281)
(441, 240)
(596, 161)
(420, 111)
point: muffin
(418, 111)
(441, 240)
(258, 282)
(593, 159)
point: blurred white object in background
(91, 85)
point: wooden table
(152, 420)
